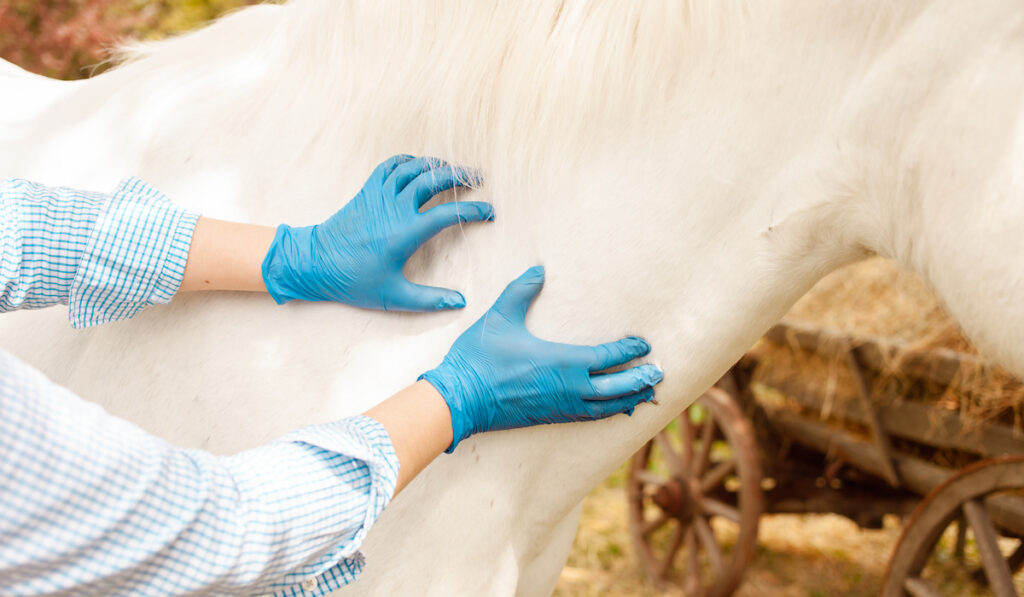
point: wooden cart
(697, 490)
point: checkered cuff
(134, 258)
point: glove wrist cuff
(451, 393)
(274, 269)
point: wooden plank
(917, 475)
(878, 433)
(880, 354)
(918, 422)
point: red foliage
(64, 38)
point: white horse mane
(483, 105)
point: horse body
(684, 173)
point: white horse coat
(684, 170)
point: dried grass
(879, 299)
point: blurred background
(812, 555)
(69, 39)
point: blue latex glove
(500, 376)
(357, 255)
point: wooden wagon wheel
(961, 499)
(681, 480)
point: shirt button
(309, 584)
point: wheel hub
(675, 499)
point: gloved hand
(357, 255)
(498, 375)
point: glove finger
(435, 181)
(612, 354)
(385, 168)
(606, 408)
(515, 301)
(407, 172)
(437, 219)
(417, 297)
(623, 383)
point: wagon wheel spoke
(707, 436)
(668, 452)
(713, 507)
(996, 568)
(961, 540)
(688, 433)
(707, 539)
(918, 587)
(654, 524)
(1014, 562)
(717, 475)
(692, 573)
(649, 477)
(673, 549)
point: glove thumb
(416, 297)
(519, 294)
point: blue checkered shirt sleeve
(91, 504)
(106, 256)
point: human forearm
(226, 256)
(419, 425)
(109, 255)
(355, 257)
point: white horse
(684, 170)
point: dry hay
(877, 298)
